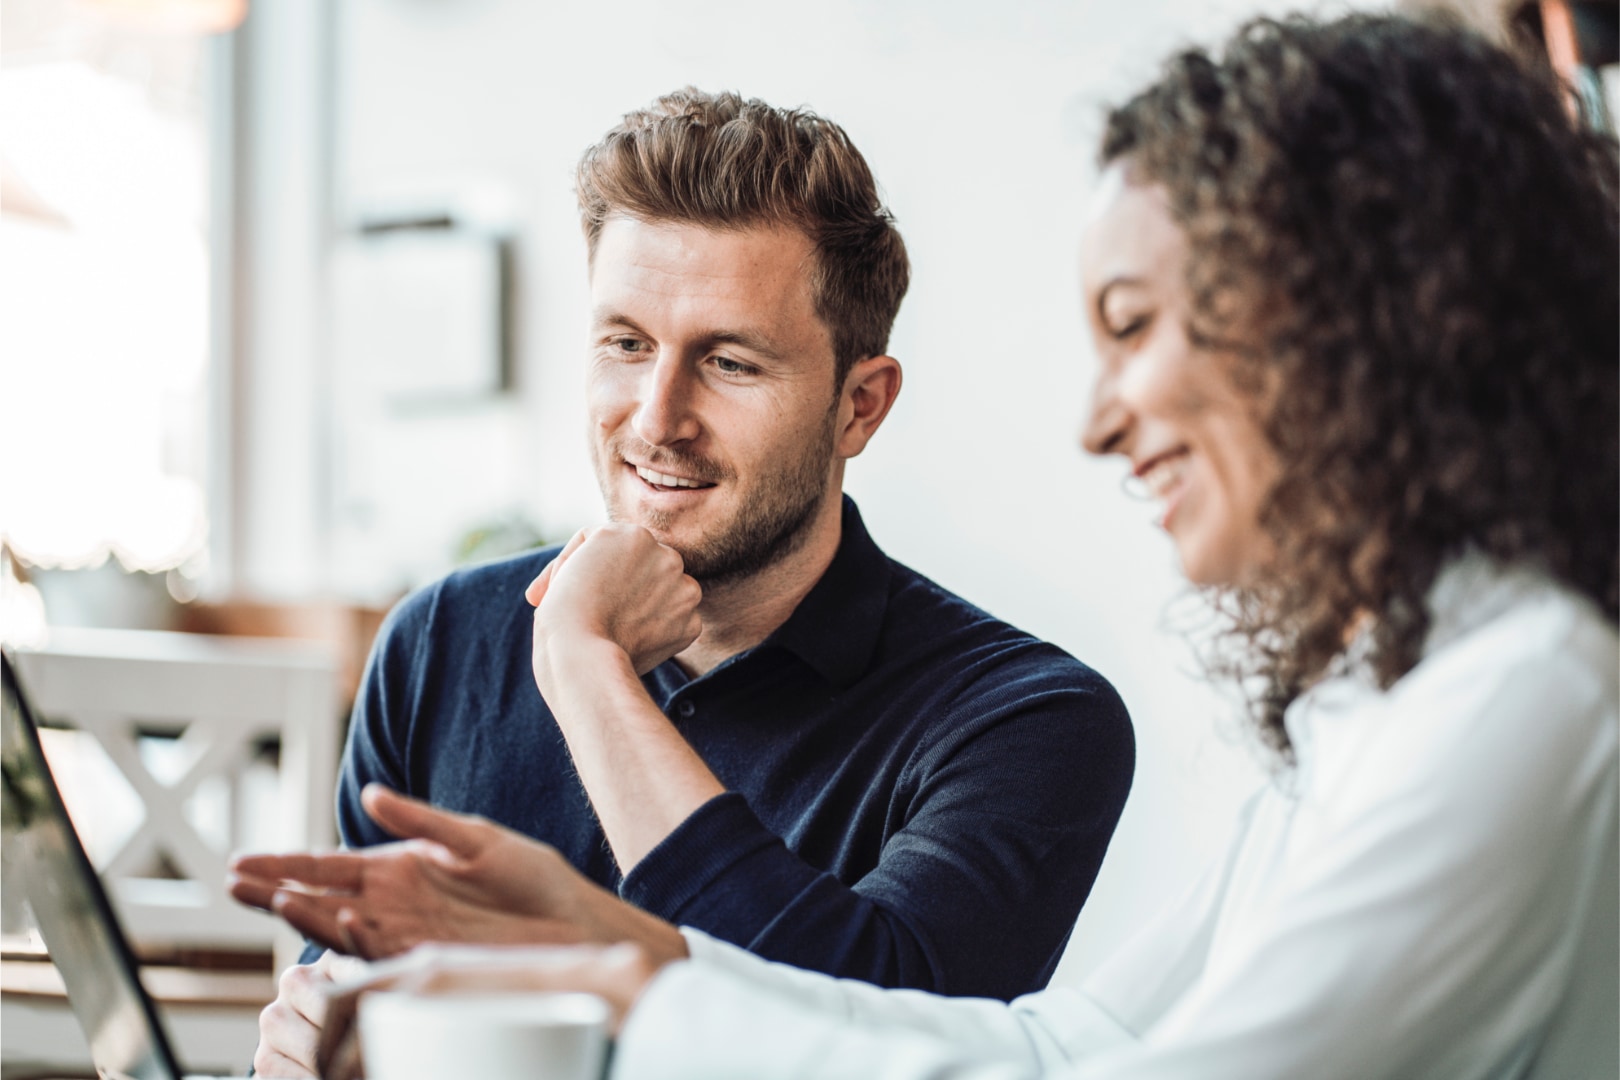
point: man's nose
(666, 415)
(1108, 420)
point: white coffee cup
(519, 1036)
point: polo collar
(835, 627)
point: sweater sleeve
(380, 727)
(1007, 826)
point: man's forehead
(695, 242)
(638, 262)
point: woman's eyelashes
(1125, 329)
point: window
(104, 287)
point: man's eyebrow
(603, 316)
(751, 340)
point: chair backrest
(214, 710)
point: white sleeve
(1156, 966)
(1433, 931)
(1042, 1029)
(728, 1012)
(703, 1023)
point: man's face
(710, 390)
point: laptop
(81, 932)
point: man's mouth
(668, 481)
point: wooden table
(212, 1017)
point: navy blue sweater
(918, 795)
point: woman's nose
(1107, 421)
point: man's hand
(614, 583)
(290, 1026)
(453, 878)
(613, 605)
(617, 974)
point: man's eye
(728, 366)
(631, 345)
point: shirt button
(686, 709)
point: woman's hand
(451, 878)
(290, 1026)
(618, 974)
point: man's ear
(869, 392)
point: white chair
(222, 701)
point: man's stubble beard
(772, 525)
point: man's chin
(720, 542)
(635, 512)
(696, 546)
(663, 528)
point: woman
(1353, 287)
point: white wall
(979, 121)
(274, 394)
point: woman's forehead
(1129, 232)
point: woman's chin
(1198, 575)
(1219, 566)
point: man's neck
(740, 615)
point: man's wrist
(572, 656)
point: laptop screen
(71, 908)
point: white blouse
(1431, 892)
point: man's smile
(668, 482)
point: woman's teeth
(1163, 475)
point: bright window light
(103, 292)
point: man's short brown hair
(723, 162)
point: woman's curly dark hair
(1416, 245)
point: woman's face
(1193, 440)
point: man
(819, 754)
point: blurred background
(292, 314)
